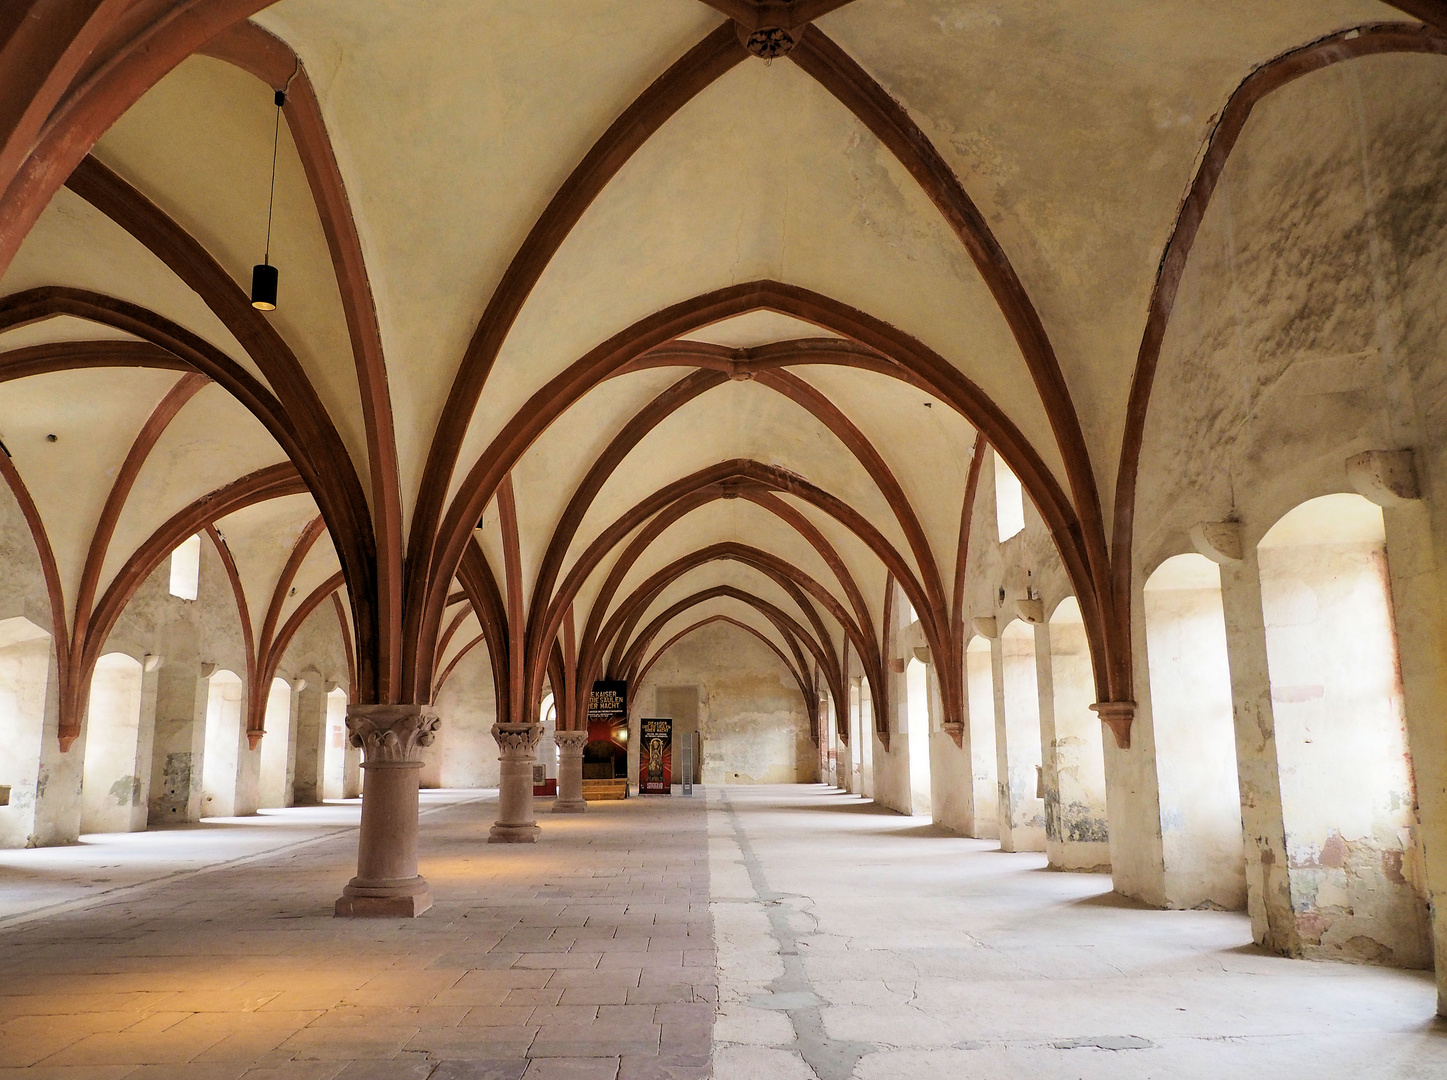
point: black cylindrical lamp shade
(263, 287)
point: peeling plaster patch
(126, 791)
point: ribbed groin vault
(1028, 414)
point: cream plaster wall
(750, 714)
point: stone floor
(589, 955)
(851, 943)
(858, 943)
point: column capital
(517, 739)
(391, 734)
(570, 740)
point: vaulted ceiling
(593, 326)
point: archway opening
(1192, 717)
(278, 749)
(24, 678)
(111, 785)
(545, 766)
(220, 768)
(1017, 743)
(856, 738)
(1077, 833)
(829, 726)
(866, 740)
(334, 769)
(984, 769)
(1348, 797)
(916, 689)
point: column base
(513, 834)
(404, 899)
(569, 806)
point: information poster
(655, 757)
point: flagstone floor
(783, 933)
(587, 955)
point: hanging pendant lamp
(263, 275)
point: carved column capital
(570, 741)
(391, 734)
(517, 740)
(955, 729)
(1117, 715)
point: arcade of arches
(1025, 416)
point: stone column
(570, 772)
(387, 883)
(518, 746)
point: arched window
(1009, 501)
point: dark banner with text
(655, 773)
(606, 756)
